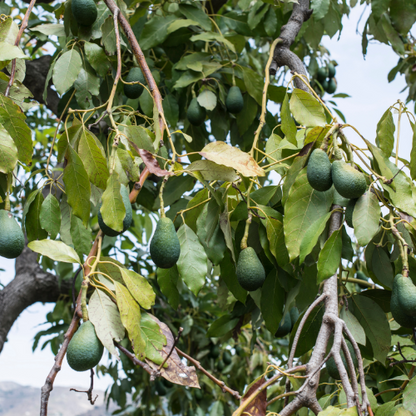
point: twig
(16, 43)
(209, 375)
(244, 199)
(89, 391)
(90, 126)
(404, 361)
(74, 302)
(281, 396)
(175, 341)
(136, 361)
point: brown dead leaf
(176, 371)
(258, 406)
(223, 154)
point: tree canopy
(139, 154)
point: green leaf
(87, 85)
(412, 166)
(254, 84)
(154, 338)
(311, 236)
(167, 280)
(365, 218)
(401, 411)
(212, 171)
(108, 39)
(192, 263)
(247, 115)
(50, 29)
(77, 186)
(213, 37)
(330, 256)
(306, 109)
(320, 8)
(288, 124)
(385, 133)
(130, 317)
(139, 287)
(275, 235)
(375, 324)
(34, 229)
(353, 325)
(207, 99)
(336, 411)
(55, 250)
(303, 207)
(222, 326)
(50, 216)
(195, 13)
(113, 210)
(140, 137)
(382, 267)
(66, 70)
(155, 31)
(180, 23)
(97, 58)
(272, 301)
(228, 275)
(8, 152)
(171, 110)
(409, 396)
(13, 120)
(103, 313)
(8, 30)
(9, 52)
(70, 136)
(92, 153)
(80, 236)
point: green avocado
(349, 211)
(322, 74)
(332, 367)
(85, 349)
(199, 395)
(403, 299)
(134, 90)
(349, 182)
(128, 219)
(220, 365)
(164, 247)
(324, 84)
(84, 11)
(234, 100)
(319, 171)
(227, 357)
(214, 352)
(250, 272)
(332, 86)
(285, 326)
(239, 350)
(294, 315)
(331, 70)
(12, 240)
(196, 114)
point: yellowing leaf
(223, 154)
(55, 250)
(155, 340)
(139, 287)
(211, 171)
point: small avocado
(85, 349)
(332, 86)
(196, 114)
(227, 357)
(294, 315)
(128, 219)
(324, 84)
(250, 272)
(84, 11)
(349, 210)
(234, 101)
(164, 247)
(404, 293)
(332, 367)
(322, 74)
(349, 182)
(134, 90)
(331, 70)
(199, 395)
(12, 240)
(214, 352)
(239, 350)
(220, 365)
(285, 326)
(319, 171)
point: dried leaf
(151, 162)
(258, 406)
(223, 154)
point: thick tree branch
(30, 285)
(282, 54)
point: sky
(371, 94)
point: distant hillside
(17, 400)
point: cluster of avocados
(84, 11)
(326, 77)
(234, 102)
(403, 301)
(12, 240)
(85, 349)
(348, 182)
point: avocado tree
(138, 160)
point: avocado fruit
(195, 113)
(332, 367)
(84, 11)
(294, 315)
(227, 357)
(331, 70)
(220, 365)
(12, 240)
(322, 74)
(128, 218)
(250, 272)
(164, 247)
(349, 182)
(324, 85)
(332, 86)
(234, 101)
(403, 301)
(318, 171)
(349, 210)
(134, 90)
(214, 351)
(85, 349)
(285, 326)
(239, 350)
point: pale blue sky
(371, 95)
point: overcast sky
(364, 80)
